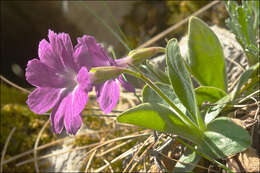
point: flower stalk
(160, 93)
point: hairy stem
(160, 93)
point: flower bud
(102, 74)
(139, 55)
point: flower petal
(43, 99)
(72, 124)
(68, 111)
(62, 47)
(39, 74)
(83, 79)
(47, 56)
(108, 95)
(76, 102)
(129, 87)
(90, 54)
(57, 117)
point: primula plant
(64, 75)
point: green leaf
(244, 79)
(206, 55)
(210, 94)
(180, 78)
(157, 72)
(150, 96)
(214, 111)
(224, 138)
(244, 23)
(158, 117)
(190, 159)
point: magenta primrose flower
(62, 77)
(93, 55)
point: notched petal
(83, 79)
(126, 85)
(47, 56)
(72, 124)
(90, 54)
(108, 95)
(39, 74)
(43, 99)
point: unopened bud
(102, 74)
(139, 55)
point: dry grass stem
(90, 160)
(41, 147)
(98, 145)
(236, 63)
(114, 148)
(196, 165)
(109, 165)
(137, 152)
(177, 25)
(121, 156)
(14, 85)
(247, 97)
(255, 118)
(142, 156)
(36, 145)
(5, 148)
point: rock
(71, 161)
(250, 160)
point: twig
(90, 160)
(170, 29)
(5, 148)
(14, 85)
(36, 145)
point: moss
(12, 95)
(15, 113)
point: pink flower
(62, 83)
(91, 54)
(62, 77)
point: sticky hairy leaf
(158, 117)
(224, 138)
(180, 78)
(206, 55)
(210, 94)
